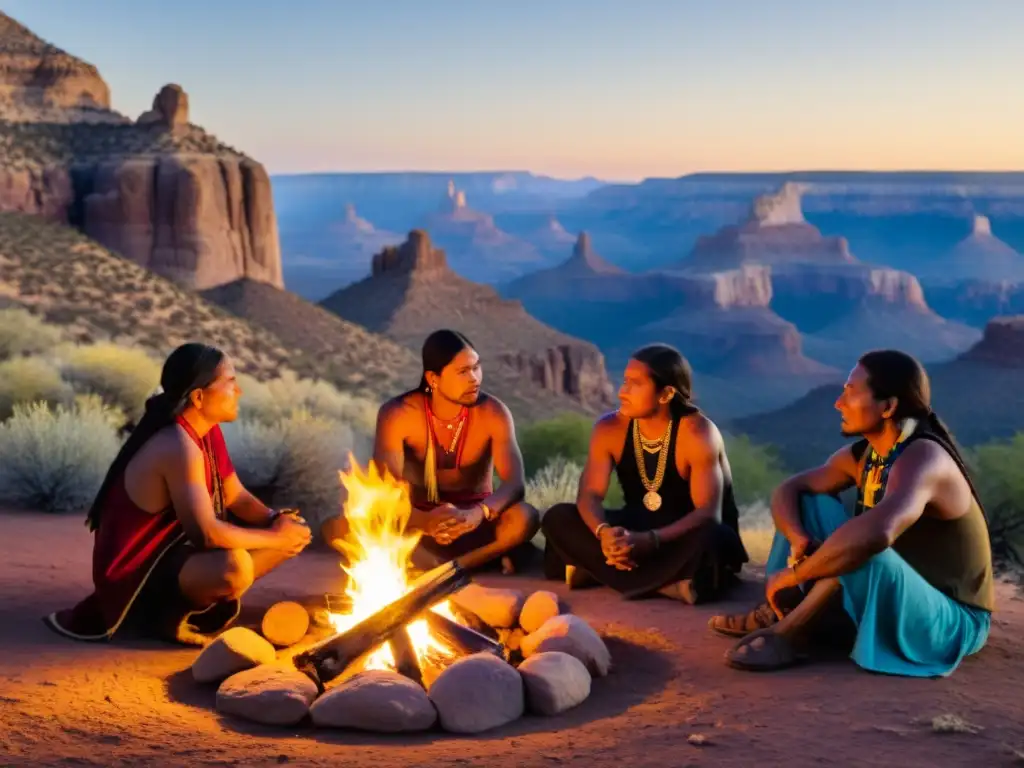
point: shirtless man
(910, 574)
(167, 561)
(446, 438)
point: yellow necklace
(652, 499)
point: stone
(498, 607)
(538, 608)
(170, 108)
(511, 638)
(554, 682)
(232, 651)
(285, 623)
(376, 700)
(570, 634)
(271, 694)
(478, 693)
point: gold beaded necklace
(652, 499)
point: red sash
(128, 545)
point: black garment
(711, 554)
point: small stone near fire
(511, 638)
(285, 623)
(477, 693)
(377, 700)
(236, 649)
(498, 607)
(554, 682)
(698, 740)
(538, 608)
(271, 694)
(570, 634)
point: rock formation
(975, 302)
(36, 77)
(413, 291)
(1001, 345)
(174, 200)
(980, 256)
(775, 232)
(476, 247)
(551, 238)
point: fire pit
(409, 654)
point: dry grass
(949, 723)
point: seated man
(446, 438)
(167, 562)
(678, 533)
(910, 574)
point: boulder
(570, 634)
(554, 682)
(498, 607)
(375, 700)
(270, 694)
(538, 608)
(170, 108)
(285, 623)
(478, 693)
(511, 638)
(235, 650)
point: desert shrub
(122, 376)
(294, 461)
(757, 530)
(996, 471)
(270, 401)
(55, 460)
(756, 471)
(22, 333)
(25, 380)
(566, 436)
(553, 484)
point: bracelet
(489, 514)
(601, 527)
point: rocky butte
(775, 232)
(412, 290)
(980, 256)
(160, 190)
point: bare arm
(707, 481)
(389, 440)
(596, 475)
(835, 475)
(243, 504)
(913, 482)
(508, 461)
(185, 476)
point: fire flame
(378, 548)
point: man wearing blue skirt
(909, 573)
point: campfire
(408, 651)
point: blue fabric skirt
(905, 626)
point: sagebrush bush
(294, 462)
(122, 376)
(25, 380)
(54, 460)
(554, 484)
(566, 437)
(756, 471)
(22, 333)
(996, 471)
(271, 401)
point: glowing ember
(378, 548)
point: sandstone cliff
(980, 256)
(1001, 345)
(975, 302)
(775, 232)
(412, 291)
(161, 191)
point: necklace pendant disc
(652, 500)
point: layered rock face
(980, 256)
(775, 232)
(1002, 343)
(412, 291)
(161, 192)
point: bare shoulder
(493, 410)
(399, 408)
(172, 447)
(610, 428)
(927, 456)
(699, 436)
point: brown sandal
(742, 624)
(763, 651)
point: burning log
(471, 620)
(329, 658)
(405, 655)
(463, 640)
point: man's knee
(236, 573)
(557, 515)
(521, 522)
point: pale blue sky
(619, 90)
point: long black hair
(188, 368)
(439, 349)
(895, 374)
(669, 368)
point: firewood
(463, 640)
(405, 655)
(329, 658)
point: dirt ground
(68, 703)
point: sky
(619, 90)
